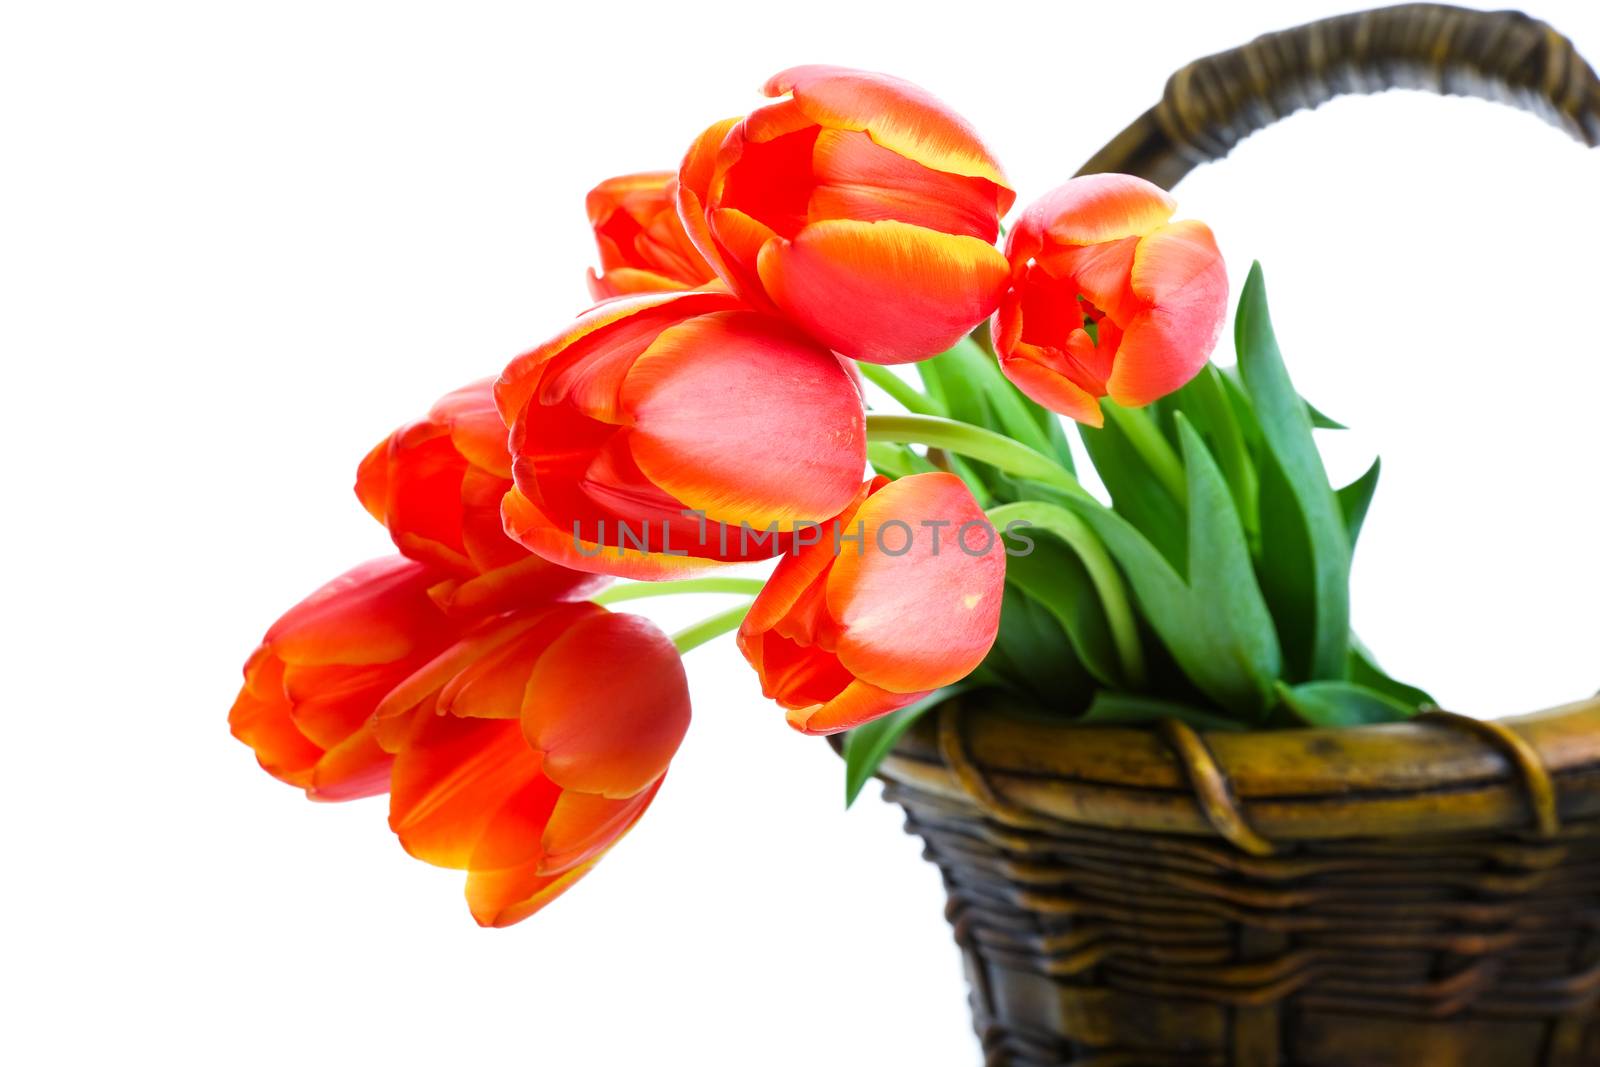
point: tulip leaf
(1356, 498)
(1309, 500)
(1220, 571)
(1136, 493)
(896, 461)
(1206, 404)
(1124, 709)
(1341, 704)
(1054, 576)
(1033, 654)
(1187, 625)
(1285, 569)
(1319, 421)
(867, 745)
(1363, 669)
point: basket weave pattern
(1341, 938)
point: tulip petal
(583, 826)
(451, 781)
(924, 617)
(884, 292)
(511, 838)
(475, 426)
(534, 580)
(695, 396)
(504, 897)
(1050, 388)
(377, 612)
(860, 702)
(593, 332)
(797, 571)
(605, 730)
(529, 526)
(356, 767)
(260, 717)
(1095, 208)
(898, 115)
(694, 188)
(493, 684)
(855, 178)
(625, 281)
(1180, 271)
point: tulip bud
(900, 597)
(1109, 297)
(662, 434)
(860, 207)
(437, 484)
(643, 247)
(324, 666)
(527, 749)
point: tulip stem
(699, 633)
(974, 442)
(1103, 574)
(898, 388)
(640, 590)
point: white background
(239, 243)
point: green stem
(898, 388)
(975, 442)
(1103, 573)
(1157, 452)
(640, 590)
(699, 633)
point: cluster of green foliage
(1228, 542)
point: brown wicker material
(1415, 895)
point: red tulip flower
(860, 207)
(527, 749)
(643, 246)
(1109, 297)
(848, 630)
(322, 669)
(653, 406)
(437, 484)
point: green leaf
(1286, 569)
(1033, 655)
(867, 745)
(1320, 421)
(1205, 402)
(1124, 709)
(1220, 571)
(1286, 431)
(1356, 498)
(1054, 576)
(1136, 493)
(896, 461)
(1187, 625)
(1340, 704)
(1363, 669)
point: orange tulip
(1109, 297)
(527, 749)
(643, 247)
(655, 405)
(860, 207)
(437, 484)
(324, 666)
(848, 630)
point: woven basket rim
(1440, 776)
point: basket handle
(1215, 102)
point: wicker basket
(1416, 895)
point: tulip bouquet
(710, 413)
